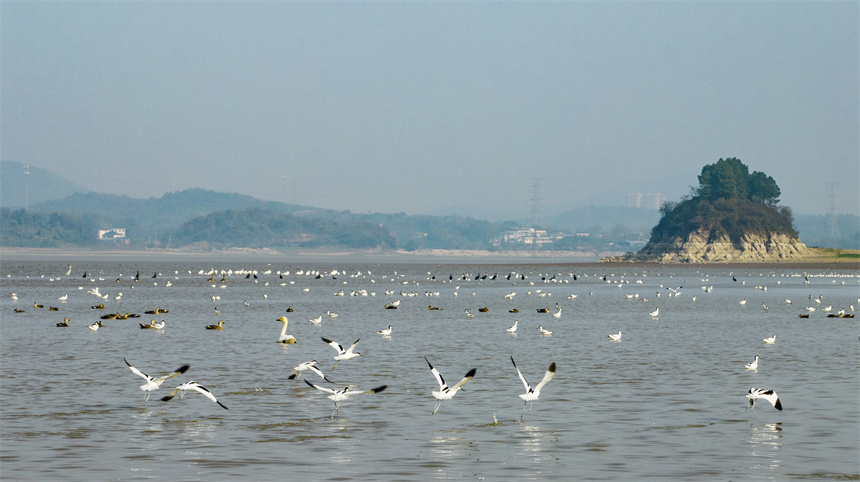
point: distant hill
(596, 219)
(817, 230)
(155, 215)
(41, 185)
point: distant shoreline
(823, 258)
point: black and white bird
(341, 353)
(154, 383)
(192, 385)
(385, 331)
(340, 395)
(312, 366)
(445, 392)
(532, 394)
(769, 395)
(753, 365)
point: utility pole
(834, 226)
(537, 210)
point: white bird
(64, 297)
(341, 353)
(788, 301)
(154, 383)
(764, 305)
(557, 314)
(769, 341)
(616, 337)
(95, 326)
(742, 302)
(385, 331)
(513, 328)
(340, 395)
(769, 395)
(192, 385)
(532, 394)
(469, 314)
(284, 337)
(445, 392)
(14, 296)
(317, 320)
(753, 365)
(655, 312)
(544, 332)
(312, 366)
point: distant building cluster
(649, 200)
(530, 236)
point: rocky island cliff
(701, 247)
(733, 216)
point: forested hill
(206, 218)
(729, 201)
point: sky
(476, 108)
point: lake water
(665, 401)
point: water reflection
(765, 442)
(536, 442)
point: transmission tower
(834, 201)
(26, 185)
(537, 209)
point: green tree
(725, 179)
(762, 187)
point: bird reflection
(765, 442)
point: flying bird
(341, 353)
(445, 392)
(192, 385)
(340, 395)
(312, 366)
(760, 393)
(154, 383)
(532, 394)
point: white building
(528, 236)
(109, 234)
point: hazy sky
(427, 107)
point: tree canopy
(730, 178)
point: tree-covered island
(732, 216)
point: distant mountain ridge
(38, 186)
(170, 210)
(156, 220)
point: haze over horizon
(429, 107)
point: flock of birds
(344, 353)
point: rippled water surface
(665, 401)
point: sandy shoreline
(823, 259)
